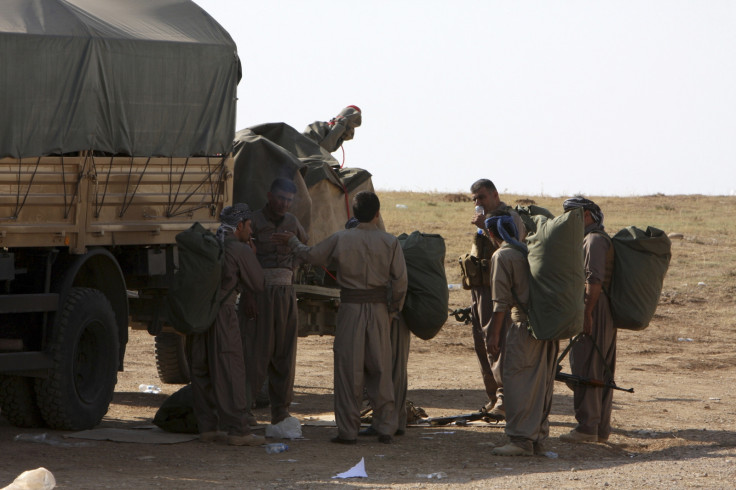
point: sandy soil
(677, 430)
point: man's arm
(399, 278)
(592, 292)
(493, 340)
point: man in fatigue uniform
(270, 335)
(593, 405)
(217, 365)
(528, 364)
(371, 273)
(485, 195)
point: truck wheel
(84, 350)
(171, 358)
(18, 401)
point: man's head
(593, 213)
(366, 206)
(484, 193)
(281, 196)
(238, 219)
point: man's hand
(479, 220)
(282, 237)
(249, 305)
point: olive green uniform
(371, 273)
(270, 339)
(528, 364)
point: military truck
(115, 135)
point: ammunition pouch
(475, 272)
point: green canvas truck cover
(133, 77)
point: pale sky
(543, 97)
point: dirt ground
(676, 430)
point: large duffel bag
(641, 260)
(425, 308)
(557, 282)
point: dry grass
(699, 296)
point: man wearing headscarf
(217, 364)
(593, 355)
(330, 135)
(528, 363)
(487, 201)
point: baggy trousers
(491, 368)
(217, 372)
(270, 347)
(362, 358)
(529, 375)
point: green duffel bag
(192, 301)
(557, 283)
(425, 308)
(527, 213)
(641, 260)
(176, 413)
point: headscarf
(501, 223)
(587, 205)
(231, 216)
(352, 223)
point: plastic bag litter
(289, 428)
(38, 479)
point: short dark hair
(283, 184)
(482, 183)
(365, 206)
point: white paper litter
(357, 471)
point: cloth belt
(376, 295)
(518, 315)
(278, 277)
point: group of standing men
(232, 360)
(518, 370)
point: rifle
(462, 315)
(580, 381)
(463, 419)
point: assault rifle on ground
(463, 419)
(572, 379)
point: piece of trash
(357, 471)
(550, 455)
(276, 447)
(701, 283)
(439, 432)
(714, 398)
(44, 438)
(684, 339)
(144, 388)
(289, 428)
(38, 479)
(146, 458)
(402, 206)
(454, 286)
(439, 475)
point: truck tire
(171, 358)
(84, 350)
(18, 401)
